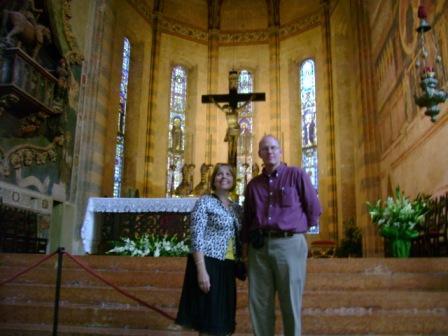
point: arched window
(119, 146)
(244, 152)
(309, 124)
(176, 130)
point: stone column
(153, 72)
(88, 150)
(332, 205)
(367, 151)
(212, 86)
(214, 24)
(274, 76)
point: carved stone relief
(186, 186)
(39, 67)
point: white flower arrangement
(399, 217)
(151, 245)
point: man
(280, 206)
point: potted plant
(351, 244)
(399, 219)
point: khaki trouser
(279, 266)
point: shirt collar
(276, 172)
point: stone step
(170, 270)
(98, 262)
(329, 321)
(78, 277)
(11, 329)
(342, 297)
(174, 279)
(110, 316)
(375, 324)
(162, 297)
(336, 265)
(389, 281)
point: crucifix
(231, 109)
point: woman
(208, 300)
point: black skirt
(214, 312)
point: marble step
(11, 329)
(167, 297)
(177, 264)
(174, 279)
(342, 296)
(348, 322)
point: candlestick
(192, 149)
(210, 148)
(189, 150)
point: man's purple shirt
(284, 200)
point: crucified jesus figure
(233, 129)
(232, 108)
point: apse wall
(176, 50)
(413, 149)
(293, 51)
(126, 24)
(274, 62)
(346, 104)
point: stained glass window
(119, 149)
(176, 128)
(309, 124)
(244, 152)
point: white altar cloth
(125, 205)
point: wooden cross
(231, 109)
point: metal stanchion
(61, 251)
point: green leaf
(398, 217)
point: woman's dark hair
(215, 172)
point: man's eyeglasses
(270, 148)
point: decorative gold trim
(300, 26)
(142, 8)
(170, 26)
(73, 56)
(257, 36)
(249, 37)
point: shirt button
(270, 181)
(269, 218)
(270, 193)
(270, 205)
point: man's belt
(277, 233)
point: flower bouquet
(399, 219)
(151, 245)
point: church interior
(107, 99)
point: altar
(108, 219)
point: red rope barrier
(118, 289)
(28, 269)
